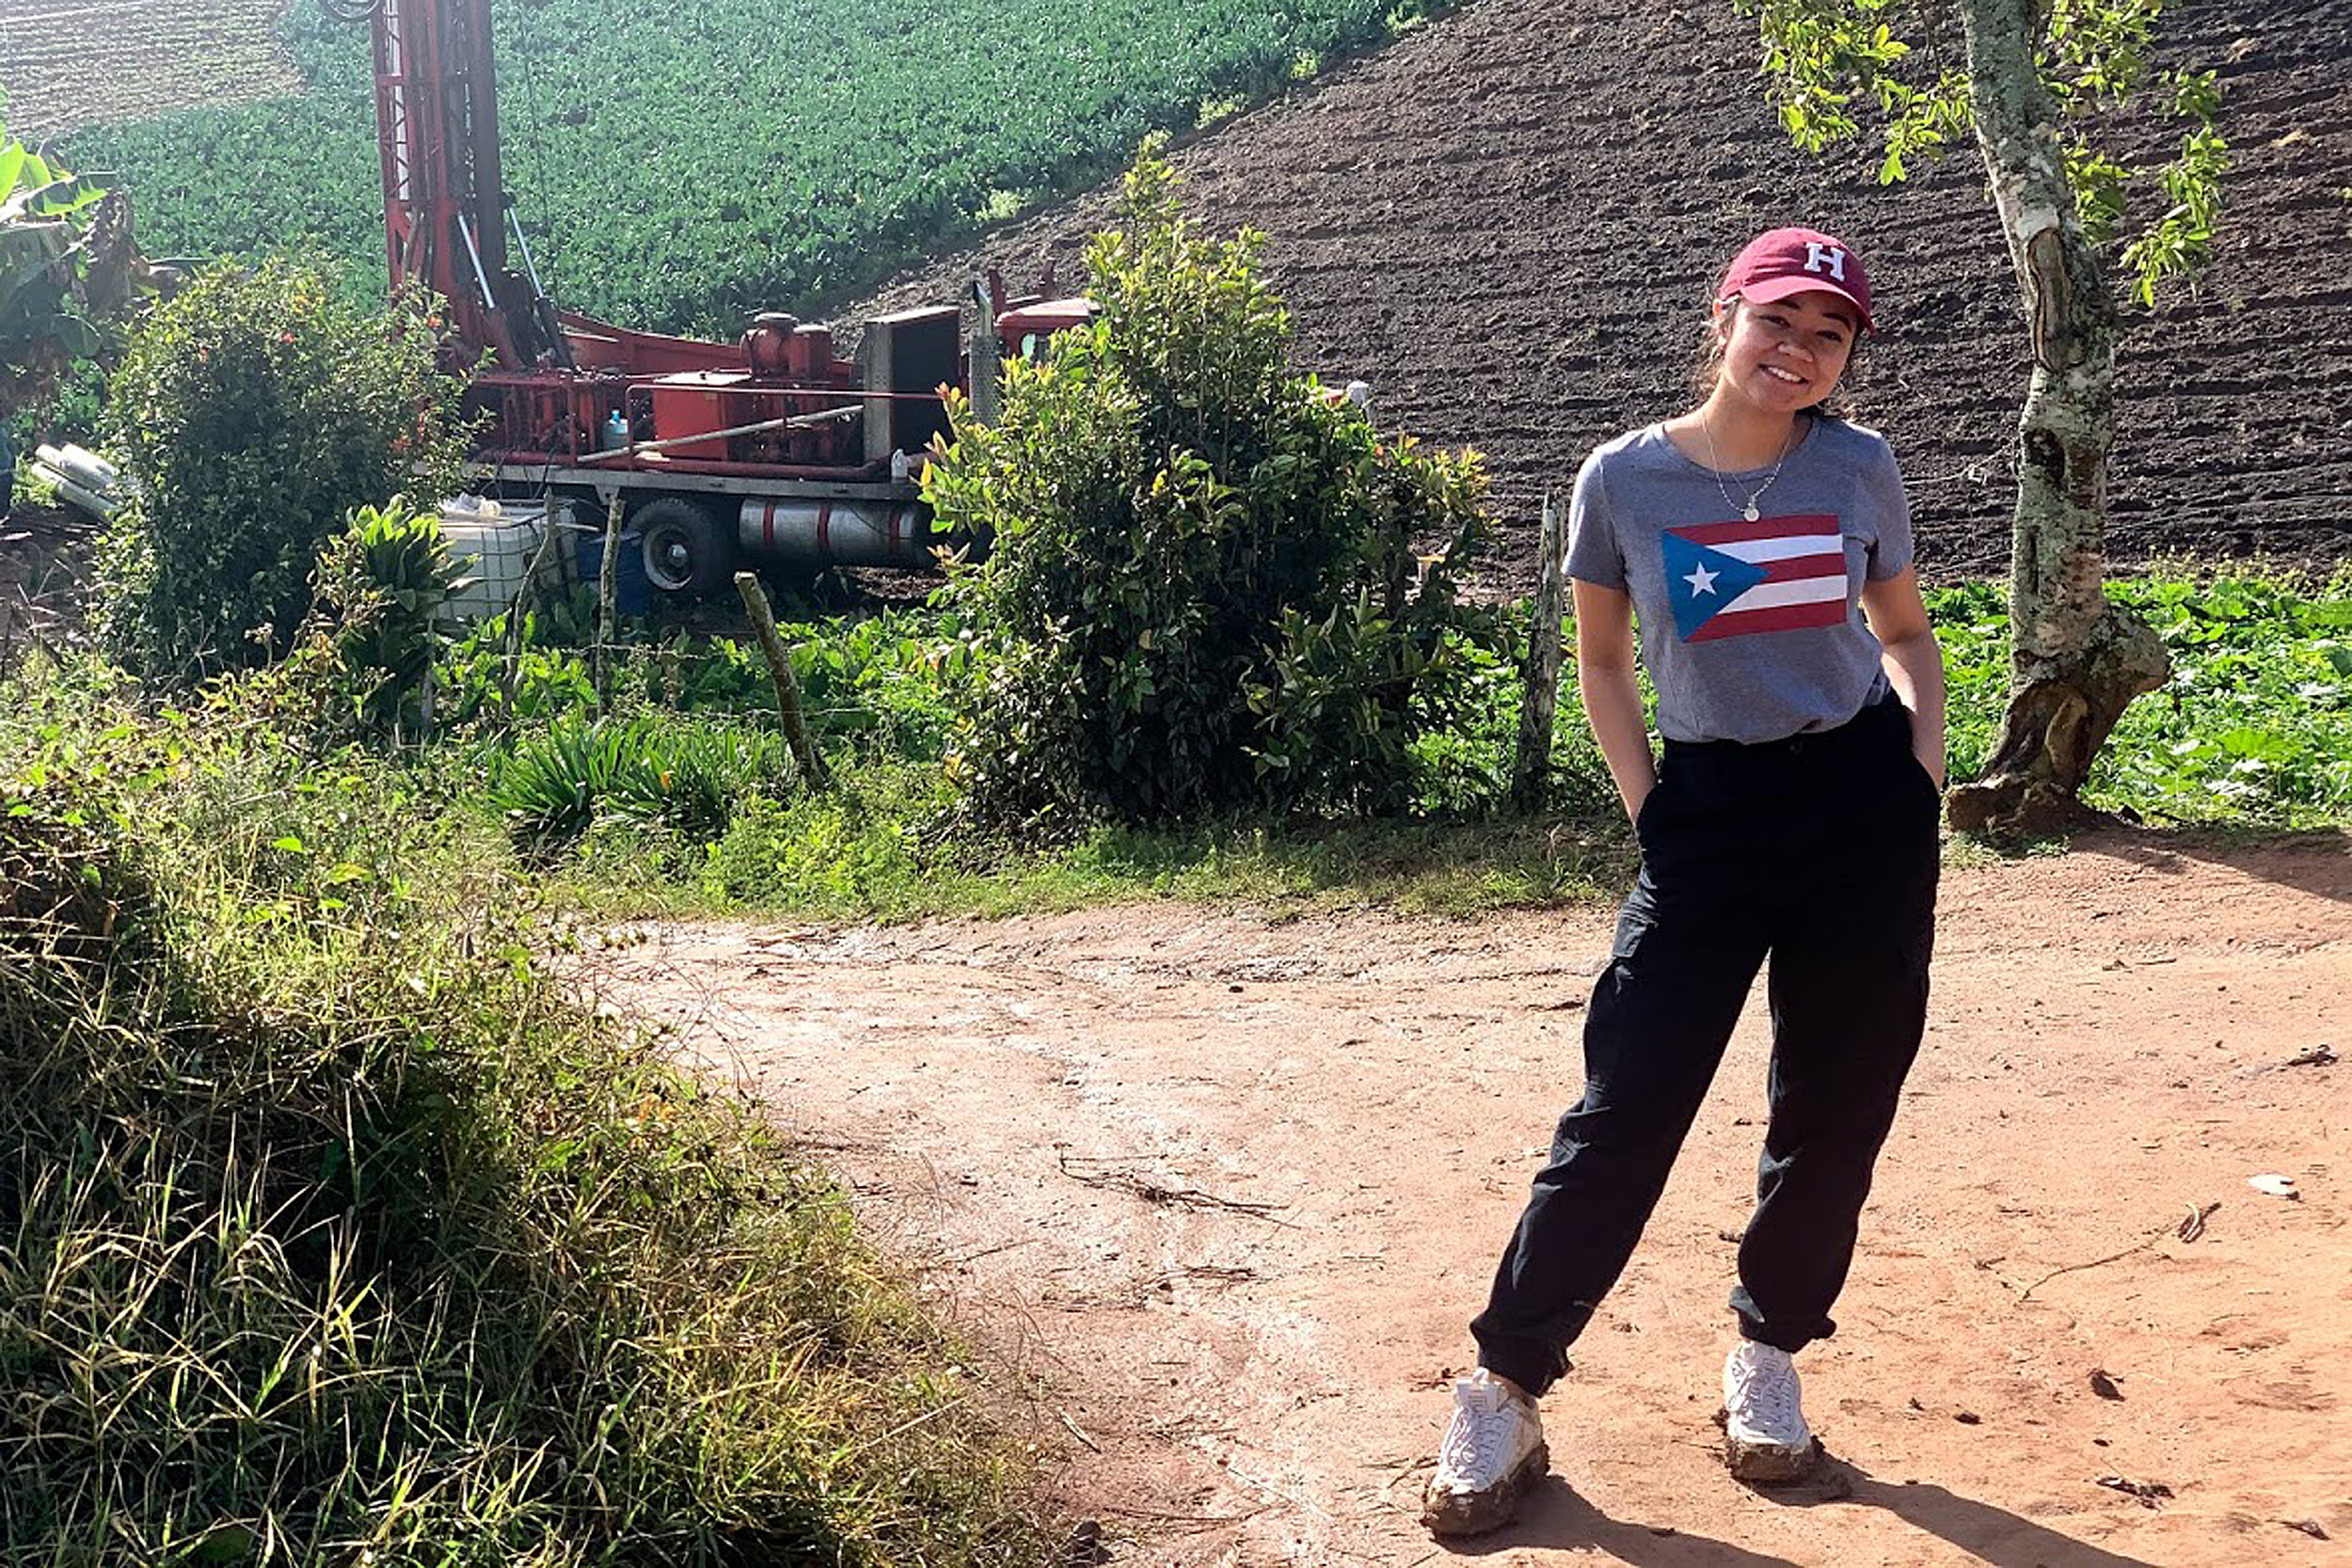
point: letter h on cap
(1825, 258)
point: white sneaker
(1492, 1453)
(1765, 1437)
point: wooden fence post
(1531, 778)
(780, 671)
(608, 595)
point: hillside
(840, 143)
(1508, 221)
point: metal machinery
(772, 447)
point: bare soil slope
(1228, 1189)
(1508, 223)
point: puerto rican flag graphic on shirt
(1737, 579)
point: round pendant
(1749, 513)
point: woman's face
(1786, 355)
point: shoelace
(1473, 1437)
(1768, 1396)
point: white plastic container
(494, 544)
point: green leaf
(224, 1543)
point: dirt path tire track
(1506, 223)
(1048, 1117)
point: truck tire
(688, 553)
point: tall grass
(332, 1228)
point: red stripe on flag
(1797, 567)
(1786, 617)
(1815, 523)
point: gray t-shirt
(1750, 631)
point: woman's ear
(1726, 314)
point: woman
(1765, 549)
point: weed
(688, 776)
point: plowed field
(1508, 222)
(68, 63)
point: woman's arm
(1604, 677)
(1914, 665)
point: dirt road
(1224, 1187)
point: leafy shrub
(686, 775)
(499, 671)
(253, 411)
(66, 266)
(384, 580)
(1201, 589)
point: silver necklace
(1715, 467)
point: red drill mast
(445, 209)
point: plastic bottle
(616, 432)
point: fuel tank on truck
(844, 533)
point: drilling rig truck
(773, 447)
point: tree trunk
(2076, 661)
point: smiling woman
(66, 64)
(1765, 551)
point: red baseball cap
(1783, 261)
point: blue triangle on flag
(1700, 581)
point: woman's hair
(1709, 360)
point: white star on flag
(1701, 581)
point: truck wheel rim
(670, 560)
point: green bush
(1201, 589)
(383, 581)
(67, 266)
(253, 411)
(499, 671)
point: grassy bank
(333, 1229)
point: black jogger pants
(1821, 851)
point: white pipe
(96, 505)
(80, 465)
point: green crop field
(681, 166)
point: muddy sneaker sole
(1476, 1512)
(1771, 1464)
